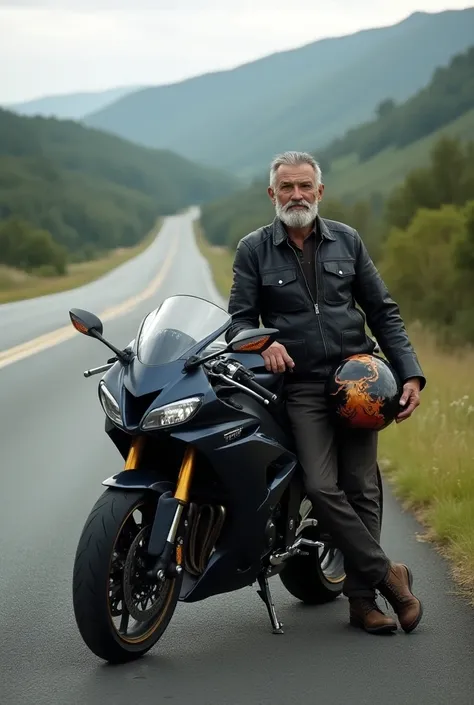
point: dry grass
(16, 285)
(429, 459)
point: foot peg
(278, 558)
(305, 524)
(266, 596)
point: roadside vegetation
(17, 284)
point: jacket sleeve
(244, 300)
(383, 317)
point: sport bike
(210, 498)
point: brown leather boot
(396, 588)
(366, 614)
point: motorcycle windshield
(180, 323)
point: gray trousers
(340, 475)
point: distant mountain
(90, 190)
(73, 106)
(298, 99)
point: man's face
(296, 196)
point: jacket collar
(280, 234)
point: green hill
(350, 179)
(355, 178)
(91, 191)
(294, 99)
(449, 94)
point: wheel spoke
(125, 619)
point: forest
(70, 193)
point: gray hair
(294, 159)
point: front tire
(109, 583)
(318, 577)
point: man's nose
(296, 195)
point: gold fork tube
(185, 476)
(135, 452)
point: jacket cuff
(407, 366)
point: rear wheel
(318, 577)
(120, 613)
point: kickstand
(266, 596)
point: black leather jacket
(269, 284)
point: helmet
(364, 392)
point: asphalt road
(54, 455)
(20, 321)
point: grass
(219, 258)
(350, 179)
(428, 459)
(16, 285)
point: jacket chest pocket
(281, 290)
(338, 278)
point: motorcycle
(211, 496)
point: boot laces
(369, 605)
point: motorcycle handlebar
(244, 377)
(98, 370)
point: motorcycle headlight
(175, 413)
(110, 405)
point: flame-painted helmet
(364, 392)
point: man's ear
(320, 192)
(271, 194)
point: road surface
(219, 652)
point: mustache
(303, 203)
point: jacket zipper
(315, 303)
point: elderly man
(303, 274)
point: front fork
(162, 543)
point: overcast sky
(58, 46)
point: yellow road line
(43, 342)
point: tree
(385, 108)
(419, 265)
(25, 247)
(449, 179)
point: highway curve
(54, 455)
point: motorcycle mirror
(85, 322)
(253, 340)
(89, 324)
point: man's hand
(277, 359)
(410, 399)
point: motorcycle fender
(138, 480)
(165, 509)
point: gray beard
(297, 218)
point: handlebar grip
(98, 370)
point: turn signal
(253, 344)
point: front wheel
(318, 577)
(120, 613)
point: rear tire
(108, 571)
(319, 577)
